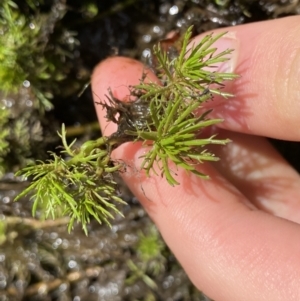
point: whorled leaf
(80, 187)
(176, 139)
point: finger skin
(229, 250)
(107, 75)
(252, 165)
(267, 94)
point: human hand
(236, 235)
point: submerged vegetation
(30, 74)
(26, 54)
(79, 182)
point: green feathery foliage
(174, 127)
(80, 181)
(4, 145)
(26, 52)
(80, 187)
(19, 44)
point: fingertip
(116, 74)
(265, 101)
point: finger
(246, 254)
(266, 96)
(117, 74)
(249, 163)
(252, 165)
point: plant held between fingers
(79, 182)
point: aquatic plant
(33, 45)
(79, 181)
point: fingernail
(228, 41)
